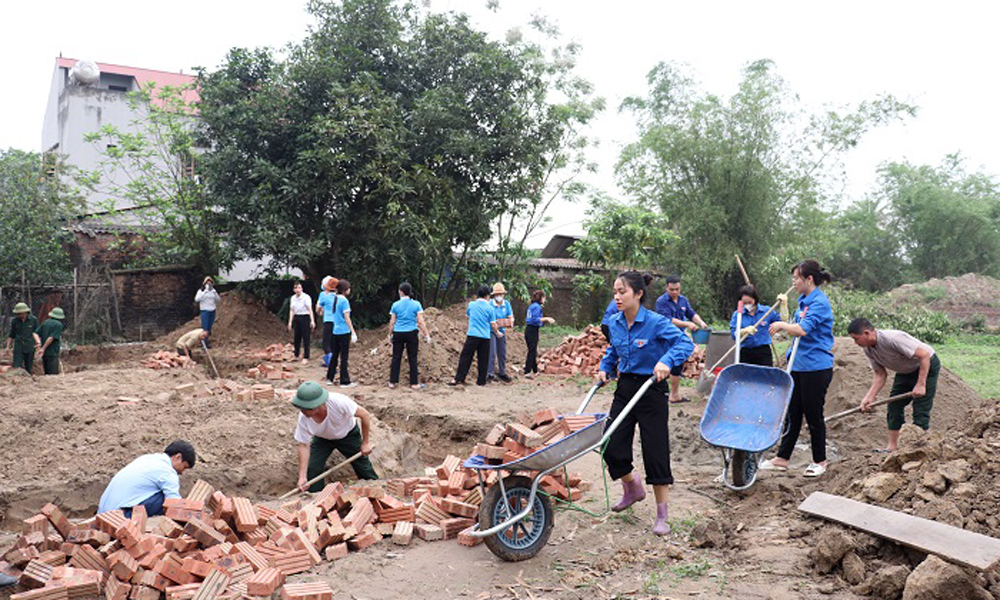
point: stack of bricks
(579, 354)
(167, 360)
(277, 353)
(269, 371)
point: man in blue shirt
(677, 308)
(149, 480)
(497, 366)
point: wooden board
(951, 543)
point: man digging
(916, 366)
(327, 423)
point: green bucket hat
(310, 395)
(57, 313)
(21, 307)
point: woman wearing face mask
(756, 348)
(504, 314)
(812, 370)
(643, 344)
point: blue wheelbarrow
(745, 415)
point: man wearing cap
(22, 333)
(327, 423)
(497, 366)
(47, 336)
(149, 480)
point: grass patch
(692, 570)
(684, 525)
(973, 358)
(551, 336)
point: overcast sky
(940, 56)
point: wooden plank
(951, 543)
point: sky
(939, 56)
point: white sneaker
(349, 385)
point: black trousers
(481, 348)
(760, 355)
(652, 414)
(340, 347)
(327, 337)
(50, 365)
(411, 341)
(303, 333)
(607, 332)
(531, 339)
(808, 398)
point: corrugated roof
(143, 76)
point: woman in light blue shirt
(405, 317)
(482, 321)
(343, 336)
(533, 322)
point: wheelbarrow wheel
(743, 467)
(524, 539)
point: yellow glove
(783, 306)
(748, 331)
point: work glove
(783, 306)
(428, 338)
(748, 331)
(354, 338)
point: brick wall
(559, 304)
(154, 302)
(105, 249)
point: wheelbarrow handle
(741, 338)
(625, 411)
(589, 397)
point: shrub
(924, 324)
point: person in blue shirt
(533, 322)
(677, 308)
(609, 312)
(644, 344)
(756, 348)
(812, 370)
(405, 317)
(497, 365)
(149, 480)
(325, 304)
(482, 321)
(343, 336)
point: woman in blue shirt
(496, 367)
(343, 336)
(325, 305)
(405, 317)
(482, 320)
(644, 344)
(756, 348)
(812, 370)
(532, 323)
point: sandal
(767, 465)
(681, 401)
(419, 386)
(392, 386)
(814, 470)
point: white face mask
(498, 298)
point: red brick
(466, 538)
(46, 593)
(306, 591)
(206, 535)
(39, 523)
(265, 582)
(335, 551)
(402, 534)
(116, 590)
(460, 509)
(256, 560)
(545, 416)
(122, 565)
(428, 532)
(36, 574)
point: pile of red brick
(227, 388)
(167, 360)
(277, 353)
(693, 366)
(267, 371)
(576, 354)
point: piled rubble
(168, 360)
(277, 353)
(582, 354)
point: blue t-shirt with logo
(481, 315)
(339, 322)
(406, 310)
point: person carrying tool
(327, 423)
(677, 308)
(756, 348)
(208, 300)
(812, 370)
(301, 320)
(406, 317)
(482, 321)
(189, 341)
(22, 333)
(643, 344)
(149, 480)
(497, 364)
(916, 366)
(47, 336)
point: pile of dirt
(438, 360)
(962, 298)
(240, 320)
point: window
(117, 88)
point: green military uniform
(22, 332)
(51, 328)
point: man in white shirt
(149, 480)
(327, 423)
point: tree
(746, 175)
(383, 147)
(867, 251)
(35, 207)
(153, 166)
(624, 236)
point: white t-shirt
(338, 423)
(301, 305)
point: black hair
(859, 326)
(811, 268)
(343, 285)
(672, 279)
(749, 290)
(185, 449)
(637, 281)
(483, 291)
(537, 296)
(296, 283)
(406, 288)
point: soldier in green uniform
(22, 332)
(48, 335)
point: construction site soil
(62, 438)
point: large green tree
(383, 146)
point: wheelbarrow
(515, 517)
(745, 415)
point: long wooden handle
(851, 411)
(322, 475)
(739, 263)
(209, 355)
(743, 337)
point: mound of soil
(961, 298)
(240, 320)
(438, 360)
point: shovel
(322, 475)
(851, 411)
(204, 347)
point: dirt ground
(963, 298)
(62, 438)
